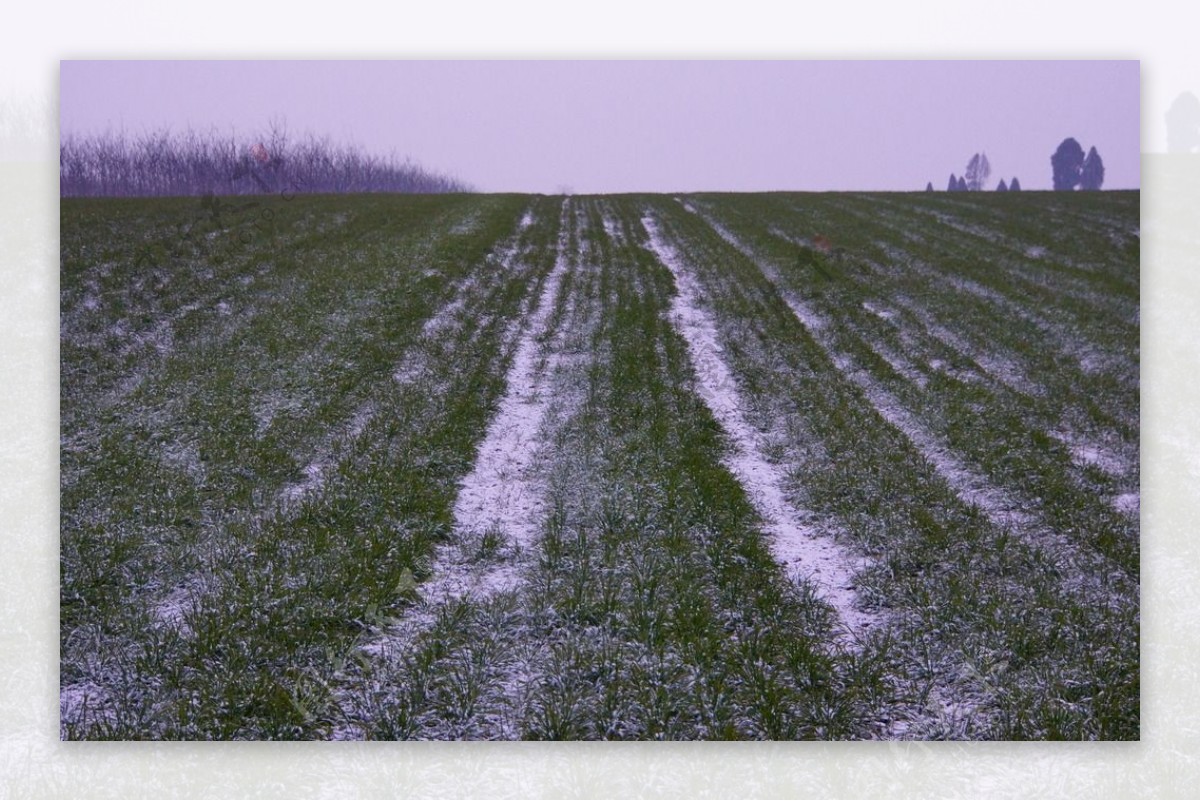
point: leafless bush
(164, 163)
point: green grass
(265, 418)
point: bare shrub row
(165, 163)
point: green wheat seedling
(266, 429)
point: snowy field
(777, 466)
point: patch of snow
(84, 702)
(806, 314)
(314, 477)
(184, 456)
(879, 311)
(172, 611)
(801, 241)
(445, 315)
(1129, 503)
(410, 369)
(1093, 454)
(271, 404)
(161, 338)
(359, 420)
(467, 224)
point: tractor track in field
(503, 492)
(501, 505)
(796, 539)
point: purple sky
(662, 126)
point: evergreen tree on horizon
(1091, 176)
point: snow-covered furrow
(1091, 358)
(1004, 510)
(1085, 452)
(613, 229)
(724, 232)
(500, 493)
(1123, 310)
(899, 363)
(795, 541)
(1116, 460)
(441, 324)
(1001, 369)
(995, 366)
(501, 258)
(318, 469)
(501, 504)
(1016, 265)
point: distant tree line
(190, 163)
(1070, 168)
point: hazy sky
(616, 126)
